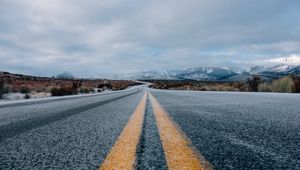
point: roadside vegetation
(283, 85)
(287, 84)
(198, 85)
(4, 89)
(25, 87)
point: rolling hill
(210, 73)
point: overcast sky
(86, 37)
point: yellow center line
(178, 149)
(122, 155)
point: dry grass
(26, 84)
(283, 85)
(288, 84)
(198, 85)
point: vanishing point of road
(142, 128)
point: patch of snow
(21, 96)
(22, 100)
(209, 70)
(13, 96)
(282, 68)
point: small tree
(1, 88)
(283, 85)
(264, 87)
(27, 96)
(296, 80)
(253, 83)
(25, 89)
(75, 86)
(84, 90)
(61, 91)
(105, 86)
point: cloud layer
(91, 37)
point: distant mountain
(283, 69)
(255, 70)
(206, 73)
(211, 73)
(148, 75)
(139, 75)
(65, 75)
(202, 73)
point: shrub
(40, 89)
(1, 88)
(24, 89)
(92, 90)
(284, 85)
(225, 87)
(61, 91)
(15, 89)
(297, 84)
(210, 88)
(4, 88)
(241, 86)
(75, 86)
(27, 96)
(264, 87)
(49, 88)
(105, 86)
(84, 90)
(55, 92)
(253, 83)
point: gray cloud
(91, 37)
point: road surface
(144, 128)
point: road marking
(123, 153)
(178, 149)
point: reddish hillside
(16, 82)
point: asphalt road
(239, 130)
(65, 134)
(230, 130)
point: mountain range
(210, 73)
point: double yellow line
(178, 150)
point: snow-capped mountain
(206, 73)
(255, 70)
(140, 75)
(283, 69)
(147, 75)
(200, 73)
(210, 73)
